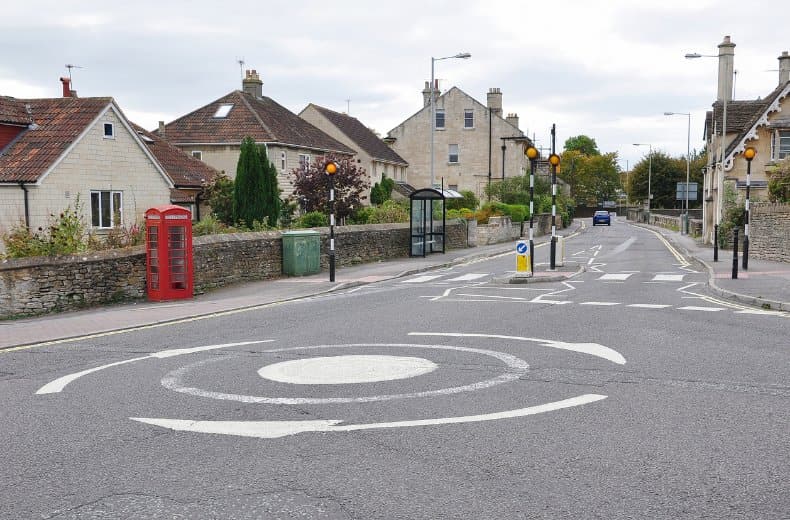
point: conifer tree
(248, 189)
(271, 192)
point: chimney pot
(252, 84)
(494, 99)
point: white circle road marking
(338, 370)
(516, 368)
(275, 429)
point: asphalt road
(628, 391)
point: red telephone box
(168, 244)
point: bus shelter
(428, 220)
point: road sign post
(523, 259)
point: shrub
(468, 201)
(210, 225)
(361, 215)
(389, 212)
(313, 219)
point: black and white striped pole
(748, 154)
(554, 161)
(532, 154)
(331, 169)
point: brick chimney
(495, 101)
(67, 92)
(162, 129)
(726, 69)
(512, 119)
(784, 68)
(252, 84)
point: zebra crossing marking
(668, 278)
(615, 277)
(468, 277)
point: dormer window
(109, 131)
(223, 111)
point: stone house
(213, 132)
(473, 143)
(763, 124)
(373, 154)
(54, 151)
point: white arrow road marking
(594, 349)
(275, 429)
(59, 384)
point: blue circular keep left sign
(521, 248)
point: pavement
(766, 284)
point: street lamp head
(532, 153)
(554, 159)
(669, 113)
(463, 55)
(749, 153)
(692, 55)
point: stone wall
(769, 233)
(32, 286)
(501, 229)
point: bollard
(734, 254)
(716, 243)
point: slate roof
(184, 170)
(741, 116)
(57, 124)
(361, 135)
(263, 119)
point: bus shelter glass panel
(427, 222)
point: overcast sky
(608, 69)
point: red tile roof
(184, 170)
(57, 123)
(12, 111)
(361, 135)
(263, 119)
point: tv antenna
(240, 61)
(72, 66)
(348, 107)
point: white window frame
(469, 112)
(113, 209)
(782, 151)
(197, 154)
(283, 160)
(436, 119)
(111, 127)
(450, 154)
(304, 161)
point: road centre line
(648, 306)
(602, 304)
(703, 309)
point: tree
(312, 188)
(779, 182)
(271, 192)
(382, 192)
(582, 144)
(219, 195)
(667, 172)
(248, 190)
(596, 178)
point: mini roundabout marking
(348, 370)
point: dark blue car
(602, 217)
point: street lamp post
(532, 154)
(720, 175)
(649, 176)
(688, 163)
(748, 154)
(462, 56)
